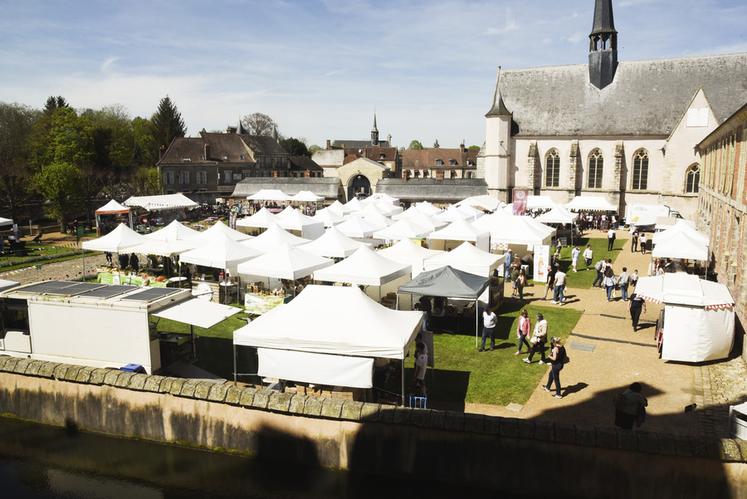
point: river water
(38, 461)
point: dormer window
(452, 162)
(439, 162)
(382, 156)
(241, 156)
(186, 160)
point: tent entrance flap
(322, 369)
(198, 313)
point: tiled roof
(429, 189)
(428, 158)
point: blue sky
(321, 67)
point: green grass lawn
(585, 277)
(39, 254)
(498, 377)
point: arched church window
(552, 169)
(596, 169)
(692, 179)
(640, 170)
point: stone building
(624, 130)
(210, 165)
(439, 163)
(722, 203)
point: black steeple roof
(604, 20)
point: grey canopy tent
(448, 282)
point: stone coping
(263, 399)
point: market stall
(328, 335)
(328, 217)
(161, 202)
(409, 253)
(356, 226)
(402, 229)
(457, 232)
(484, 202)
(306, 226)
(260, 220)
(681, 246)
(219, 251)
(272, 238)
(269, 195)
(333, 244)
(697, 319)
(110, 209)
(284, 262)
(467, 258)
(590, 203)
(221, 228)
(121, 240)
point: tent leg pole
(476, 322)
(396, 302)
(194, 343)
(402, 400)
(234, 362)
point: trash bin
(738, 421)
(133, 368)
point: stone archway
(359, 186)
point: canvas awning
(447, 282)
(420, 218)
(540, 203)
(357, 226)
(121, 239)
(200, 313)
(460, 230)
(161, 202)
(364, 267)
(112, 208)
(684, 289)
(681, 227)
(320, 369)
(292, 219)
(162, 248)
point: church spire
(374, 133)
(499, 107)
(602, 45)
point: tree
(416, 145)
(259, 124)
(16, 125)
(54, 103)
(60, 184)
(145, 146)
(147, 181)
(167, 123)
(313, 148)
(474, 148)
(295, 147)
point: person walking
(522, 331)
(558, 295)
(507, 262)
(634, 278)
(634, 241)
(575, 252)
(630, 407)
(642, 240)
(599, 267)
(521, 281)
(588, 255)
(550, 286)
(610, 239)
(609, 281)
(557, 360)
(538, 340)
(623, 282)
(637, 305)
(489, 321)
(514, 280)
(421, 367)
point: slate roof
(646, 97)
(304, 163)
(429, 189)
(264, 144)
(426, 158)
(377, 153)
(329, 187)
(356, 144)
(222, 148)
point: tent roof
(357, 226)
(540, 203)
(352, 206)
(381, 196)
(447, 282)
(364, 267)
(161, 202)
(467, 258)
(590, 203)
(557, 215)
(406, 251)
(680, 227)
(112, 207)
(306, 197)
(218, 251)
(328, 217)
(198, 313)
(336, 207)
(427, 208)
(292, 219)
(269, 195)
(175, 231)
(272, 238)
(333, 244)
(484, 202)
(261, 219)
(284, 262)
(514, 229)
(5, 221)
(162, 248)
(459, 230)
(453, 213)
(420, 218)
(221, 228)
(681, 245)
(684, 289)
(403, 229)
(334, 320)
(120, 239)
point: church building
(623, 130)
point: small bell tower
(602, 45)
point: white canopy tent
(328, 335)
(409, 253)
(462, 230)
(174, 231)
(514, 229)
(359, 227)
(454, 213)
(557, 215)
(352, 206)
(110, 208)
(219, 251)
(540, 203)
(120, 240)
(376, 218)
(381, 196)
(5, 222)
(260, 220)
(681, 227)
(466, 258)
(483, 202)
(272, 238)
(403, 229)
(427, 208)
(269, 195)
(698, 316)
(293, 219)
(337, 208)
(420, 218)
(328, 217)
(681, 246)
(221, 228)
(161, 202)
(365, 267)
(200, 313)
(590, 203)
(641, 215)
(333, 244)
(306, 197)
(162, 248)
(284, 262)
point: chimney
(206, 151)
(329, 145)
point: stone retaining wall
(497, 452)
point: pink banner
(520, 200)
